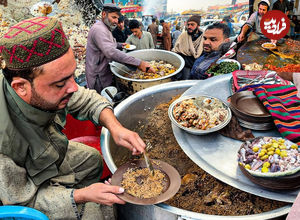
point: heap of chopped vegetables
(223, 68)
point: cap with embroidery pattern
(33, 42)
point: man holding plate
(101, 49)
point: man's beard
(209, 47)
(193, 32)
(39, 102)
(109, 24)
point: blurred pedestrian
(153, 29)
(118, 32)
(189, 45)
(282, 5)
(175, 35)
(166, 35)
(127, 31)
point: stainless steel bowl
(133, 85)
(194, 130)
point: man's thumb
(119, 190)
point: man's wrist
(77, 206)
(78, 196)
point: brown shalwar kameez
(166, 36)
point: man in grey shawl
(189, 45)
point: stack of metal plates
(250, 112)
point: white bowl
(269, 48)
(229, 60)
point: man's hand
(99, 193)
(241, 37)
(129, 139)
(273, 41)
(121, 135)
(145, 67)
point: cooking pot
(133, 85)
(142, 104)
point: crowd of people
(39, 167)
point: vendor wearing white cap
(254, 22)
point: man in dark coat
(119, 33)
(214, 36)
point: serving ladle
(147, 159)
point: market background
(78, 15)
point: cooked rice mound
(142, 184)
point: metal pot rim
(182, 63)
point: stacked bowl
(250, 112)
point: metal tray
(217, 154)
(256, 126)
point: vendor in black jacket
(215, 44)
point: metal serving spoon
(147, 159)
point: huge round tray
(171, 184)
(216, 154)
(142, 103)
(194, 130)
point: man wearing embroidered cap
(102, 48)
(254, 23)
(39, 167)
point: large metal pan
(133, 85)
(142, 103)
